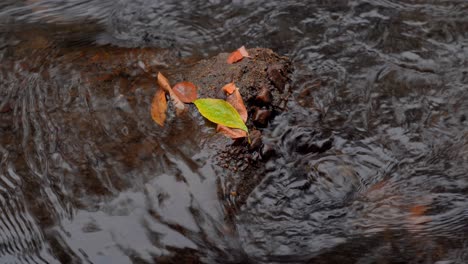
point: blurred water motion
(85, 176)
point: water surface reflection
(86, 176)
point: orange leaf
(235, 99)
(159, 107)
(417, 219)
(229, 88)
(418, 210)
(164, 84)
(231, 132)
(186, 91)
(237, 55)
(234, 57)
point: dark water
(87, 177)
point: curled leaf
(229, 88)
(220, 112)
(235, 99)
(231, 132)
(186, 91)
(237, 55)
(164, 84)
(243, 51)
(159, 107)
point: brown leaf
(229, 88)
(237, 55)
(235, 99)
(186, 91)
(159, 107)
(231, 132)
(164, 84)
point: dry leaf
(186, 91)
(159, 107)
(237, 55)
(229, 88)
(235, 99)
(164, 84)
(234, 57)
(243, 52)
(231, 132)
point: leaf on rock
(159, 107)
(235, 99)
(231, 132)
(220, 112)
(164, 84)
(186, 91)
(234, 57)
(243, 51)
(229, 88)
(237, 55)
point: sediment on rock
(264, 83)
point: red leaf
(164, 84)
(159, 107)
(237, 55)
(235, 99)
(231, 132)
(186, 91)
(234, 57)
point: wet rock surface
(263, 81)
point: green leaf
(220, 112)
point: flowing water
(87, 177)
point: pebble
(275, 75)
(256, 139)
(263, 96)
(261, 117)
(267, 152)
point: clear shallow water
(86, 176)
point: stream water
(87, 177)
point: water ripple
(370, 160)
